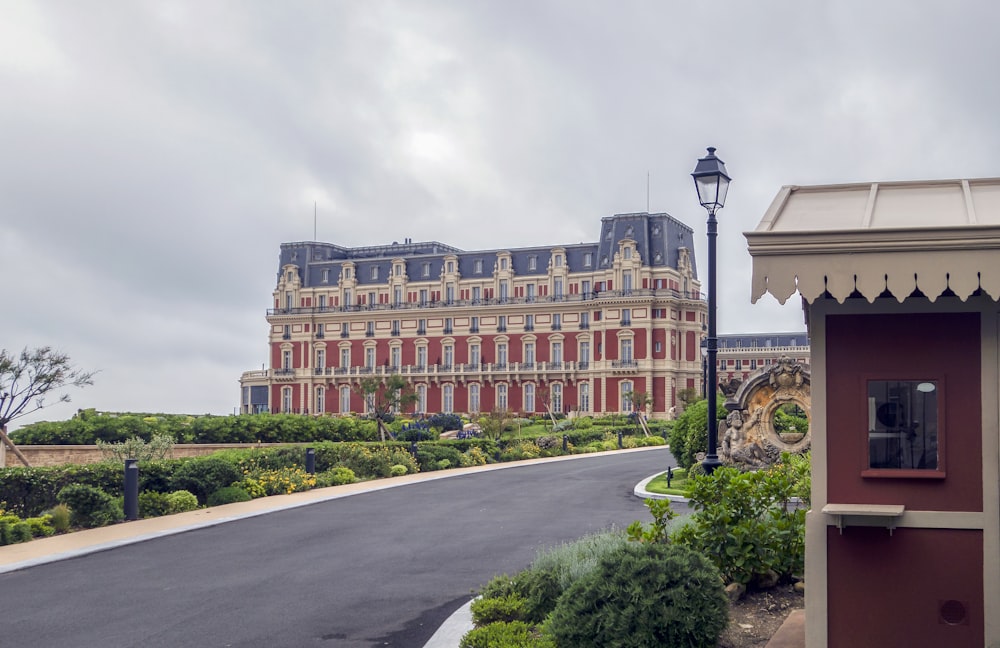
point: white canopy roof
(899, 237)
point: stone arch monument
(751, 438)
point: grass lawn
(677, 484)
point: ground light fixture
(712, 182)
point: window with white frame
(474, 398)
(370, 357)
(501, 396)
(394, 357)
(374, 272)
(502, 354)
(558, 261)
(345, 357)
(627, 281)
(449, 355)
(397, 295)
(345, 399)
(504, 290)
(474, 355)
(557, 397)
(588, 259)
(625, 390)
(529, 397)
(448, 399)
(529, 353)
(422, 399)
(584, 392)
(627, 253)
(320, 358)
(422, 357)
(347, 297)
(425, 270)
(477, 266)
(626, 350)
(451, 266)
(532, 262)
(557, 353)
(557, 288)
(477, 294)
(322, 301)
(286, 399)
(320, 400)
(530, 292)
(286, 359)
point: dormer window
(347, 273)
(503, 263)
(374, 272)
(425, 270)
(558, 261)
(627, 253)
(326, 275)
(588, 259)
(477, 266)
(451, 266)
(532, 262)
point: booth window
(903, 431)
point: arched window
(529, 397)
(448, 399)
(474, 398)
(320, 405)
(557, 397)
(421, 399)
(345, 399)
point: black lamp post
(712, 182)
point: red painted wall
(893, 590)
(862, 347)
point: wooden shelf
(889, 513)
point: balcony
(370, 333)
(344, 334)
(448, 330)
(422, 331)
(395, 332)
(624, 366)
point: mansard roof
(658, 237)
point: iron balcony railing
(483, 370)
(606, 294)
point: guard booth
(900, 285)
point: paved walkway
(55, 548)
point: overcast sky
(154, 155)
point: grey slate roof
(658, 237)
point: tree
(495, 422)
(640, 401)
(27, 380)
(384, 398)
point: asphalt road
(384, 568)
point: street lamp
(712, 182)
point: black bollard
(565, 443)
(620, 440)
(670, 475)
(311, 461)
(131, 489)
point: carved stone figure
(751, 439)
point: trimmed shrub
(41, 526)
(335, 477)
(153, 504)
(89, 506)
(491, 610)
(651, 595)
(181, 501)
(204, 475)
(437, 457)
(398, 470)
(515, 634)
(228, 495)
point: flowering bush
(282, 481)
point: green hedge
(87, 427)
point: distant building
(581, 324)
(741, 354)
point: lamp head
(712, 181)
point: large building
(580, 325)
